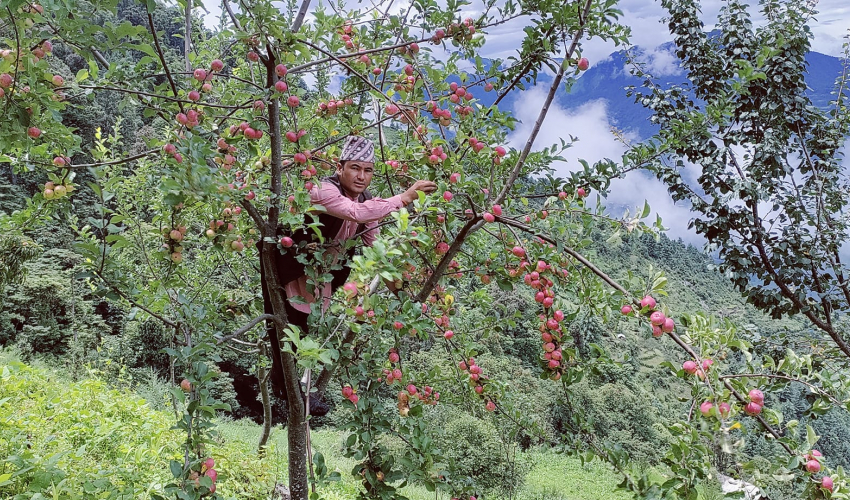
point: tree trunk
(263, 380)
(296, 420)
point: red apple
(489, 217)
(293, 101)
(689, 367)
(756, 396)
(58, 80)
(491, 406)
(253, 56)
(826, 483)
(449, 334)
(186, 385)
(34, 132)
(217, 65)
(705, 408)
(812, 466)
(626, 310)
(281, 70)
(668, 326)
(583, 64)
(500, 151)
(194, 95)
(448, 196)
(657, 318)
(200, 74)
(752, 409)
(286, 242)
(648, 301)
(724, 409)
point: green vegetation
(84, 440)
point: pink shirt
(370, 212)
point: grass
(59, 438)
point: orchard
(249, 118)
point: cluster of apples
(350, 394)
(476, 380)
(225, 156)
(443, 308)
(459, 31)
(208, 470)
(172, 247)
(813, 466)
(406, 81)
(660, 323)
(392, 374)
(223, 231)
(171, 150)
(426, 395)
(331, 107)
(54, 191)
(443, 116)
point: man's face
(355, 176)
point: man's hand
(427, 187)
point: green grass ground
(60, 438)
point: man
(349, 210)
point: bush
(478, 452)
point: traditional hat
(358, 148)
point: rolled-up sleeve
(343, 208)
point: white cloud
(660, 62)
(590, 124)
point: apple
(581, 192)
(212, 474)
(488, 87)
(756, 396)
(705, 408)
(34, 132)
(217, 65)
(291, 136)
(250, 195)
(826, 483)
(391, 109)
(657, 318)
(354, 398)
(293, 101)
(449, 334)
(59, 161)
(724, 409)
(58, 80)
(626, 310)
(668, 325)
(518, 251)
(454, 178)
(812, 466)
(558, 315)
(281, 86)
(648, 301)
(500, 151)
(448, 196)
(752, 409)
(397, 374)
(347, 391)
(253, 56)
(489, 217)
(209, 463)
(200, 74)
(583, 64)
(398, 325)
(393, 357)
(689, 367)
(186, 385)
(194, 95)
(286, 242)
(5, 80)
(491, 406)
(350, 289)
(706, 364)
(280, 70)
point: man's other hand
(427, 187)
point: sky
(590, 121)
